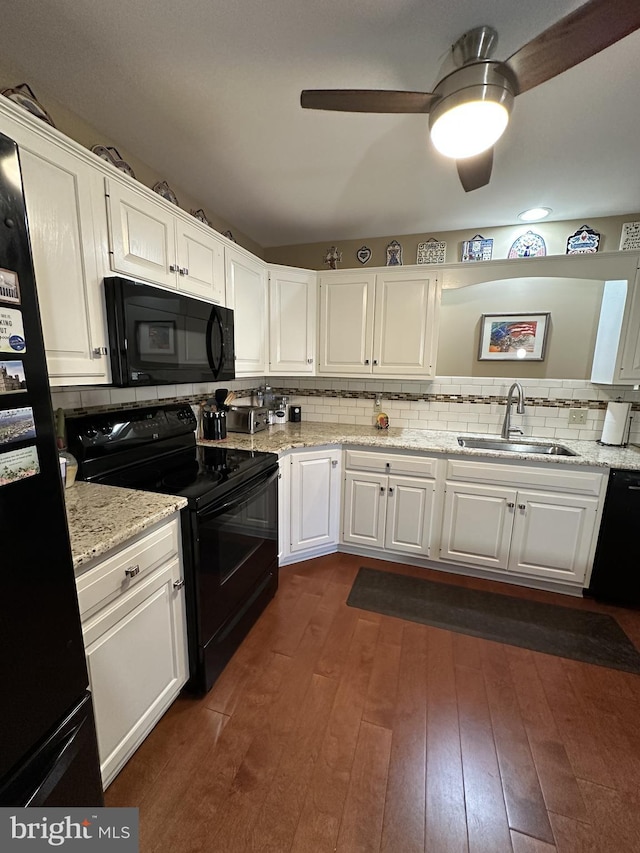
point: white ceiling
(207, 93)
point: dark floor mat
(550, 628)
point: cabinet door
(315, 499)
(246, 293)
(346, 324)
(552, 535)
(365, 504)
(58, 191)
(200, 263)
(142, 236)
(630, 363)
(410, 505)
(136, 656)
(292, 322)
(477, 523)
(405, 328)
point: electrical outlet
(577, 416)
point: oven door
(235, 545)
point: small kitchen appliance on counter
(249, 419)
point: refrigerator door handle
(57, 765)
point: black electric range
(229, 528)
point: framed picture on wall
(513, 337)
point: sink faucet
(507, 429)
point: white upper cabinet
(292, 321)
(246, 294)
(616, 359)
(66, 228)
(149, 241)
(379, 324)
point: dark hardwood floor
(336, 729)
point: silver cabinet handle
(98, 351)
(390, 490)
(309, 361)
(522, 506)
(184, 271)
(511, 504)
(173, 268)
(334, 463)
(178, 584)
(132, 571)
(366, 361)
(375, 360)
(382, 490)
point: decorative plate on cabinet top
(112, 155)
(163, 189)
(201, 216)
(24, 97)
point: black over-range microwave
(160, 337)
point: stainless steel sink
(509, 446)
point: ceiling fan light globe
(469, 128)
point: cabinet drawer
(108, 579)
(390, 463)
(574, 480)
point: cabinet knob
(510, 504)
(178, 584)
(334, 463)
(382, 490)
(375, 360)
(309, 361)
(132, 571)
(390, 490)
(522, 506)
(366, 361)
(99, 351)
(173, 268)
(184, 270)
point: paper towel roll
(615, 423)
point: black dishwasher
(616, 576)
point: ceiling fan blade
(581, 34)
(475, 172)
(366, 100)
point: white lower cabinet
(134, 629)
(390, 511)
(309, 503)
(547, 532)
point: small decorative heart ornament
(363, 254)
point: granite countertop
(102, 517)
(281, 437)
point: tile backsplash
(458, 403)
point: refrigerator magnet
(17, 425)
(18, 464)
(12, 378)
(9, 287)
(11, 331)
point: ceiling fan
(469, 108)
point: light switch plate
(577, 416)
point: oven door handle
(252, 488)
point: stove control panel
(118, 430)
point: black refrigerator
(48, 751)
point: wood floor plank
(615, 818)
(487, 823)
(525, 804)
(319, 823)
(380, 703)
(446, 819)
(276, 823)
(526, 844)
(556, 775)
(581, 731)
(573, 836)
(361, 825)
(404, 814)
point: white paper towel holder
(617, 424)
